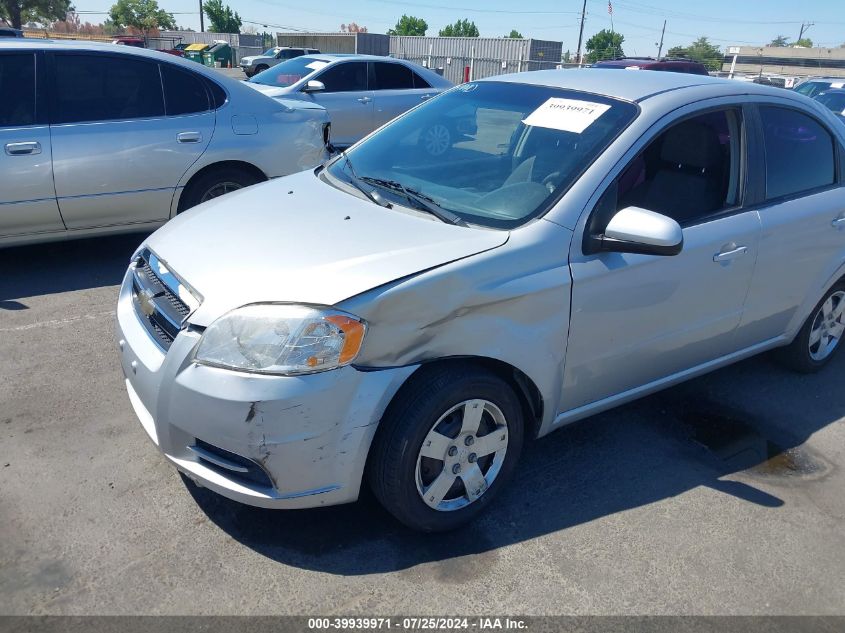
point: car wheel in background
(436, 139)
(260, 69)
(821, 336)
(447, 444)
(215, 183)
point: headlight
(281, 339)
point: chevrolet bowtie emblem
(145, 302)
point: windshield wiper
(355, 181)
(421, 200)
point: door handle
(364, 99)
(189, 137)
(839, 223)
(23, 149)
(729, 252)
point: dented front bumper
(270, 441)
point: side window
(799, 152)
(105, 88)
(218, 95)
(17, 85)
(689, 172)
(393, 76)
(419, 82)
(346, 77)
(184, 92)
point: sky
(724, 22)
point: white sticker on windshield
(316, 65)
(569, 115)
(837, 85)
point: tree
(515, 35)
(804, 42)
(605, 45)
(461, 28)
(701, 50)
(143, 15)
(20, 12)
(409, 25)
(352, 27)
(221, 18)
(780, 41)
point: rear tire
(821, 335)
(447, 444)
(260, 69)
(214, 184)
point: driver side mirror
(636, 230)
(314, 86)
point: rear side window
(17, 85)
(105, 88)
(393, 77)
(348, 77)
(184, 92)
(419, 82)
(799, 152)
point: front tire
(821, 336)
(446, 446)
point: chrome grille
(162, 301)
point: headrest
(691, 144)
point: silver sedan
(361, 92)
(131, 138)
(409, 321)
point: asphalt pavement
(721, 496)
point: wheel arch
(223, 164)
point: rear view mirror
(636, 230)
(314, 86)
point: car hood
(254, 58)
(271, 91)
(298, 239)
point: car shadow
(41, 269)
(749, 421)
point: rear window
(799, 153)
(184, 92)
(105, 88)
(833, 101)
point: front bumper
(309, 435)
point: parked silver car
(361, 92)
(414, 319)
(816, 85)
(100, 138)
(253, 64)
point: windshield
(494, 154)
(270, 52)
(289, 72)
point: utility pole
(660, 46)
(202, 20)
(581, 32)
(804, 27)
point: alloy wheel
(462, 455)
(220, 189)
(828, 327)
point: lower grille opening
(251, 475)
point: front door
(348, 101)
(637, 319)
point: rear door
(117, 156)
(396, 89)
(802, 216)
(348, 100)
(27, 197)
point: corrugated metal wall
(476, 57)
(362, 43)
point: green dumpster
(219, 55)
(194, 52)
